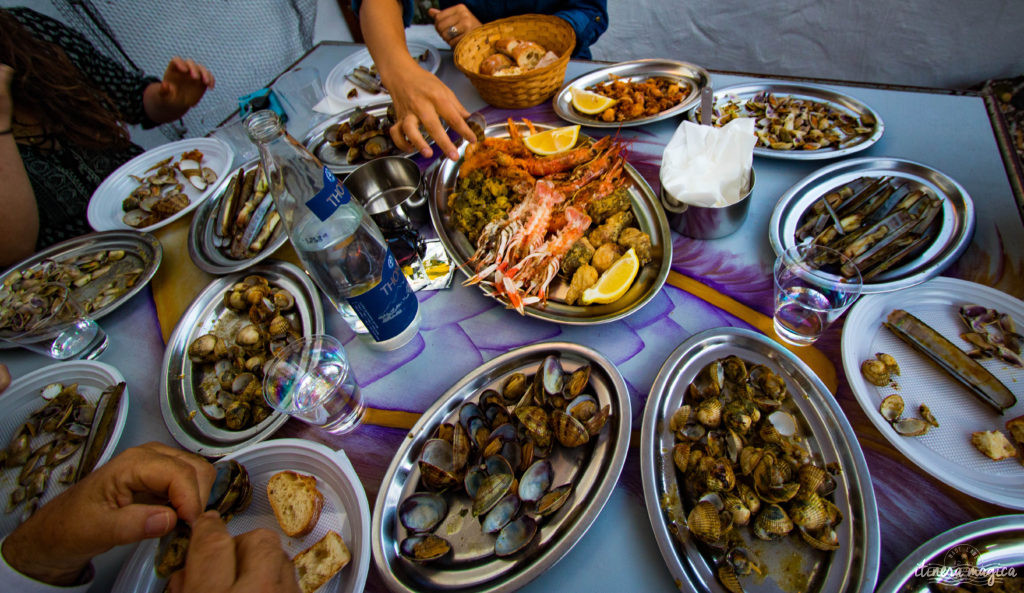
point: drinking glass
(233, 133)
(811, 292)
(59, 326)
(311, 380)
(300, 90)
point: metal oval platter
(694, 78)
(956, 220)
(338, 87)
(593, 468)
(650, 218)
(203, 239)
(180, 379)
(994, 542)
(336, 160)
(791, 564)
(834, 99)
(141, 250)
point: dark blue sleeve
(589, 18)
(407, 10)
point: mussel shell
(535, 420)
(892, 407)
(501, 514)
(554, 499)
(783, 422)
(824, 539)
(515, 536)
(467, 412)
(734, 369)
(490, 396)
(576, 382)
(535, 481)
(681, 456)
(424, 548)
(491, 490)
(513, 388)
(911, 427)
(461, 447)
(474, 478)
(704, 522)
(497, 464)
(172, 550)
(422, 512)
(772, 523)
(568, 430)
(809, 512)
(496, 414)
(582, 407)
(550, 377)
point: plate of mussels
(211, 388)
(504, 473)
(59, 422)
(753, 477)
(354, 136)
(242, 495)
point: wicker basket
(524, 90)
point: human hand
(184, 83)
(120, 502)
(452, 23)
(6, 105)
(252, 562)
(420, 97)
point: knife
(102, 427)
(706, 102)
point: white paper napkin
(708, 166)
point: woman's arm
(19, 225)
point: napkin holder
(701, 222)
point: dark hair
(68, 106)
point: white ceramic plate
(337, 86)
(945, 452)
(22, 398)
(105, 212)
(345, 511)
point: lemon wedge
(553, 141)
(590, 103)
(615, 281)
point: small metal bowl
(700, 222)
(391, 191)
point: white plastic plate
(105, 212)
(945, 452)
(345, 511)
(23, 397)
(337, 86)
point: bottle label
(332, 195)
(390, 306)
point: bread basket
(523, 90)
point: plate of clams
(239, 226)
(103, 270)
(160, 185)
(354, 136)
(504, 473)
(753, 477)
(211, 389)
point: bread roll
(527, 53)
(296, 502)
(506, 46)
(321, 561)
(494, 63)
(510, 71)
(548, 59)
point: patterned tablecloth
(461, 328)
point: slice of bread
(296, 502)
(1016, 428)
(321, 561)
(994, 444)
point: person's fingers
(410, 126)
(5, 375)
(176, 583)
(205, 473)
(287, 582)
(459, 124)
(193, 70)
(398, 137)
(211, 559)
(167, 476)
(136, 522)
(259, 558)
(433, 12)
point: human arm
(19, 226)
(418, 96)
(589, 18)
(120, 502)
(182, 87)
(252, 562)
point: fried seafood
(583, 278)
(639, 98)
(605, 256)
(784, 122)
(743, 464)
(160, 193)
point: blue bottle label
(388, 308)
(332, 195)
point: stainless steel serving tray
(694, 77)
(953, 237)
(829, 437)
(202, 246)
(998, 542)
(834, 99)
(650, 218)
(140, 248)
(557, 534)
(181, 413)
(335, 160)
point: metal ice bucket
(390, 190)
(700, 222)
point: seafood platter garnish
(60, 423)
(899, 222)
(102, 270)
(644, 91)
(957, 392)
(353, 137)
(238, 226)
(537, 231)
(160, 185)
(752, 476)
(356, 79)
(801, 122)
(508, 461)
(215, 360)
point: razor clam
(976, 378)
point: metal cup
(390, 190)
(701, 222)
